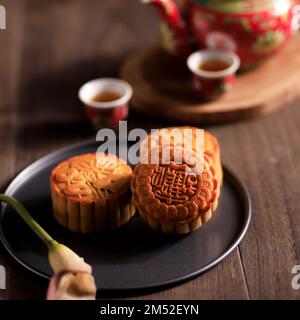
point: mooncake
(178, 198)
(92, 193)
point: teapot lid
(239, 6)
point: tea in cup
(106, 101)
(214, 71)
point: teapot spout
(174, 30)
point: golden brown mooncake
(178, 198)
(92, 192)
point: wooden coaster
(162, 87)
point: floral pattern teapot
(255, 29)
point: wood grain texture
(51, 48)
(163, 85)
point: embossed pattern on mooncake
(91, 193)
(177, 198)
(90, 177)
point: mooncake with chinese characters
(92, 193)
(178, 197)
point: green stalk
(25, 215)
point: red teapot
(254, 29)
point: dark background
(51, 47)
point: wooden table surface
(50, 48)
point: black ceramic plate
(134, 256)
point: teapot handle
(296, 18)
